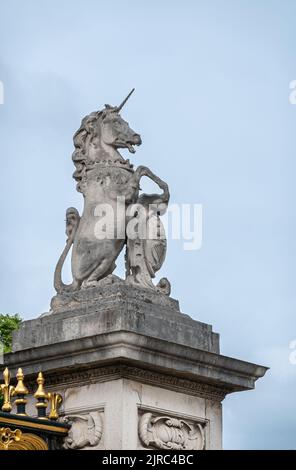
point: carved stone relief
(97, 237)
(86, 430)
(166, 432)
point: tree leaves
(8, 323)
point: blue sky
(212, 105)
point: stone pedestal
(134, 372)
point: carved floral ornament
(165, 432)
(86, 430)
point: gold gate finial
(7, 391)
(20, 389)
(41, 397)
(20, 392)
(55, 401)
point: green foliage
(8, 323)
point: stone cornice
(131, 355)
(121, 371)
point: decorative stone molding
(104, 374)
(86, 430)
(166, 432)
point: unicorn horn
(119, 108)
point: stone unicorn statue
(104, 177)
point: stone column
(134, 372)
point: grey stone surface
(110, 308)
(115, 324)
(129, 357)
(140, 351)
(108, 289)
